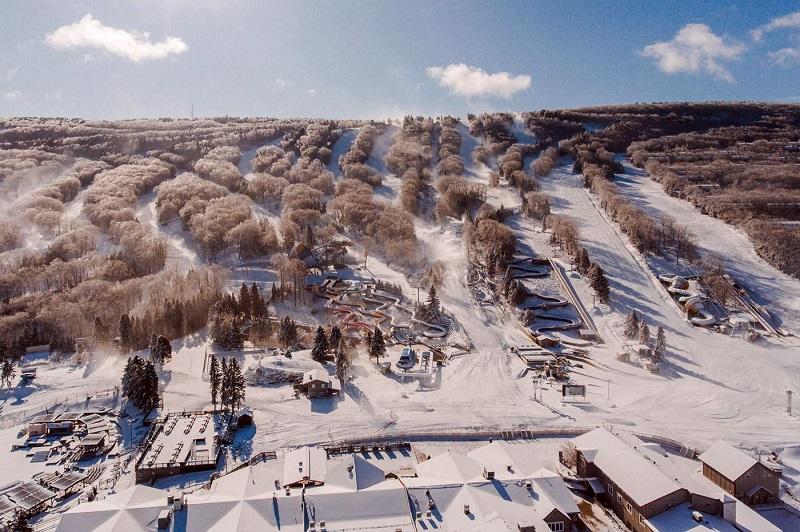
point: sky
(379, 59)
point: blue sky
(376, 59)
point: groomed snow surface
(710, 387)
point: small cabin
(317, 383)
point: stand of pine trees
(140, 383)
(227, 383)
(320, 350)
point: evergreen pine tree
(631, 325)
(342, 363)
(432, 305)
(660, 349)
(8, 373)
(160, 349)
(287, 334)
(335, 337)
(225, 384)
(259, 309)
(236, 382)
(320, 348)
(245, 304)
(377, 348)
(583, 261)
(215, 378)
(598, 281)
(644, 333)
(125, 333)
(149, 385)
(100, 331)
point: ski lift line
(574, 299)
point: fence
(87, 401)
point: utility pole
(789, 401)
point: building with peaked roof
(317, 383)
(741, 475)
(649, 492)
(624, 478)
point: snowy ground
(710, 387)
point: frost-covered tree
(225, 384)
(160, 349)
(598, 281)
(335, 337)
(236, 384)
(342, 363)
(631, 325)
(644, 333)
(8, 373)
(215, 378)
(377, 347)
(320, 348)
(432, 305)
(660, 349)
(287, 334)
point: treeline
(457, 195)
(377, 226)
(646, 234)
(352, 163)
(63, 301)
(495, 127)
(409, 157)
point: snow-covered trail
(390, 187)
(713, 236)
(181, 252)
(340, 148)
(712, 386)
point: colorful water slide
(566, 324)
(704, 317)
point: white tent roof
(727, 459)
(134, 509)
(378, 507)
(450, 468)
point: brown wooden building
(317, 383)
(741, 475)
(624, 479)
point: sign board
(573, 389)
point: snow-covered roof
(625, 465)
(452, 481)
(727, 460)
(306, 464)
(131, 510)
(507, 460)
(377, 505)
(249, 499)
(450, 468)
(316, 375)
(679, 519)
(354, 473)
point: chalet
(652, 493)
(740, 475)
(622, 477)
(317, 383)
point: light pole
(130, 427)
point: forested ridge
(77, 251)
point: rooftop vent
(697, 516)
(466, 508)
(488, 474)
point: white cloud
(785, 56)
(473, 81)
(311, 92)
(792, 20)
(132, 45)
(10, 73)
(12, 95)
(695, 48)
(281, 84)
